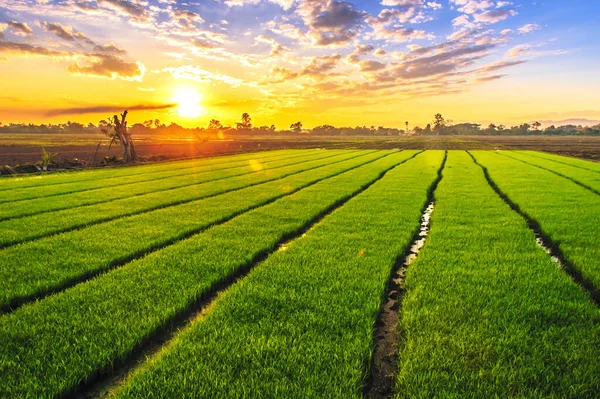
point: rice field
(266, 275)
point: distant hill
(574, 121)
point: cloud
(276, 48)
(198, 74)
(20, 28)
(330, 22)
(129, 8)
(65, 32)
(530, 50)
(472, 6)
(96, 109)
(319, 68)
(107, 66)
(528, 28)
(493, 16)
(29, 49)
(403, 3)
(110, 48)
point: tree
(427, 130)
(536, 125)
(116, 130)
(215, 125)
(439, 124)
(148, 124)
(156, 123)
(246, 123)
(296, 127)
(406, 123)
(273, 128)
(46, 157)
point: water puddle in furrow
(384, 362)
(541, 243)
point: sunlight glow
(188, 101)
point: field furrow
(567, 214)
(118, 183)
(487, 314)
(576, 162)
(55, 344)
(190, 181)
(300, 325)
(17, 182)
(583, 177)
(20, 230)
(27, 270)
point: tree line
(438, 127)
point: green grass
(487, 314)
(175, 174)
(23, 229)
(51, 345)
(300, 324)
(567, 213)
(581, 176)
(168, 187)
(26, 270)
(17, 182)
(579, 163)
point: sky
(338, 62)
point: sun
(188, 101)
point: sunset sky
(340, 62)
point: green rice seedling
(576, 162)
(487, 313)
(566, 213)
(48, 190)
(583, 177)
(54, 344)
(26, 207)
(300, 325)
(26, 270)
(18, 230)
(69, 177)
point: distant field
(24, 148)
(266, 274)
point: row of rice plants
(300, 325)
(19, 194)
(577, 162)
(583, 177)
(487, 314)
(14, 182)
(191, 180)
(22, 229)
(35, 268)
(54, 344)
(566, 213)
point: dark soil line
(105, 380)
(543, 239)
(17, 302)
(139, 182)
(383, 367)
(558, 174)
(566, 163)
(147, 210)
(180, 172)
